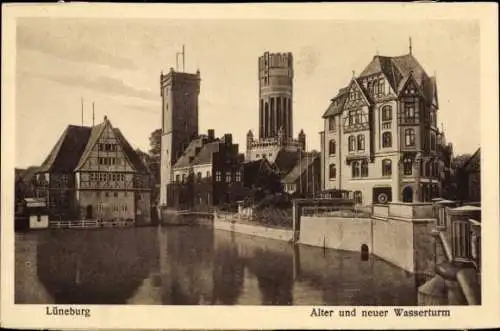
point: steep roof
(474, 162)
(299, 169)
(75, 144)
(66, 153)
(129, 152)
(95, 133)
(190, 151)
(337, 103)
(286, 160)
(397, 70)
(206, 153)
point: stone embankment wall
(230, 223)
(400, 234)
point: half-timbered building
(94, 173)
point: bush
(278, 201)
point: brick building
(94, 173)
(207, 174)
(380, 138)
(179, 93)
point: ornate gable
(356, 97)
(105, 151)
(409, 88)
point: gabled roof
(66, 153)
(206, 153)
(473, 162)
(299, 169)
(130, 154)
(76, 143)
(285, 161)
(190, 151)
(95, 133)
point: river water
(197, 265)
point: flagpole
(81, 99)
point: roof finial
(353, 74)
(410, 46)
(376, 51)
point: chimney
(228, 139)
(211, 135)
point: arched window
(199, 176)
(407, 165)
(355, 169)
(364, 168)
(352, 143)
(386, 167)
(332, 147)
(386, 113)
(361, 142)
(386, 139)
(333, 171)
(410, 137)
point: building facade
(94, 173)
(380, 137)
(209, 173)
(275, 110)
(179, 93)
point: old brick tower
(179, 93)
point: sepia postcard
(250, 166)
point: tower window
(409, 110)
(355, 169)
(407, 166)
(410, 137)
(332, 147)
(364, 168)
(386, 167)
(361, 142)
(352, 143)
(333, 171)
(386, 139)
(331, 123)
(386, 113)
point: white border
(259, 317)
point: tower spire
(93, 114)
(410, 46)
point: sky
(116, 63)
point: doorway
(365, 253)
(408, 194)
(88, 213)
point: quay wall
(406, 243)
(393, 242)
(222, 223)
(336, 232)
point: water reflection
(197, 265)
